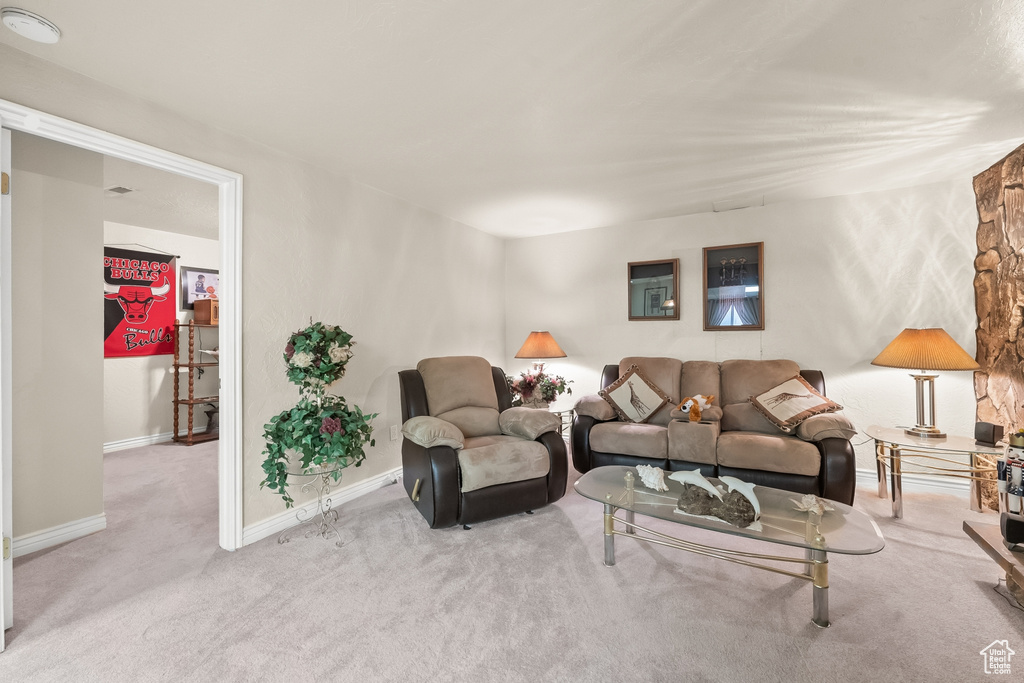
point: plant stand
(319, 522)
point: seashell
(652, 477)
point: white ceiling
(525, 117)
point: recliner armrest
(430, 431)
(528, 423)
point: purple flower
(289, 350)
(331, 425)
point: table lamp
(540, 344)
(927, 350)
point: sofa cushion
(502, 462)
(701, 377)
(792, 402)
(786, 454)
(634, 397)
(596, 407)
(626, 438)
(826, 426)
(744, 417)
(430, 431)
(692, 441)
(742, 379)
(664, 373)
(528, 423)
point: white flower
(339, 354)
(302, 359)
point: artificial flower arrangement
(537, 385)
(322, 433)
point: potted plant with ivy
(321, 434)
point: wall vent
(119, 190)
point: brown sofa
(732, 438)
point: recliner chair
(468, 455)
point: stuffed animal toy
(695, 404)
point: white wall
(843, 276)
(405, 282)
(137, 391)
(57, 255)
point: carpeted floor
(523, 598)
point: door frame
(17, 117)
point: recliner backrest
(460, 389)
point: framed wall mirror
(733, 287)
(653, 289)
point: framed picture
(734, 287)
(652, 287)
(198, 283)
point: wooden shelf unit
(191, 436)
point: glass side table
(893, 446)
(321, 521)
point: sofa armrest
(430, 431)
(558, 475)
(433, 475)
(838, 470)
(596, 407)
(579, 436)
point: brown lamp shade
(540, 345)
(928, 349)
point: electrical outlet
(394, 432)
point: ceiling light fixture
(29, 25)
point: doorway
(229, 185)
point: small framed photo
(198, 283)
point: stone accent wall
(999, 292)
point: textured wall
(137, 391)
(999, 292)
(843, 276)
(57, 252)
(405, 282)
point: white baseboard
(47, 538)
(139, 441)
(284, 520)
(136, 442)
(919, 483)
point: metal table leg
(976, 505)
(819, 575)
(896, 474)
(880, 465)
(609, 535)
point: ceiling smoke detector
(29, 25)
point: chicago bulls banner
(139, 306)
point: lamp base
(925, 432)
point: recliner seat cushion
(630, 438)
(786, 454)
(502, 462)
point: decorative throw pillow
(792, 402)
(634, 397)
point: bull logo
(135, 301)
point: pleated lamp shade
(540, 345)
(928, 349)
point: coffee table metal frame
(893, 446)
(814, 564)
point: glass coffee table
(840, 530)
